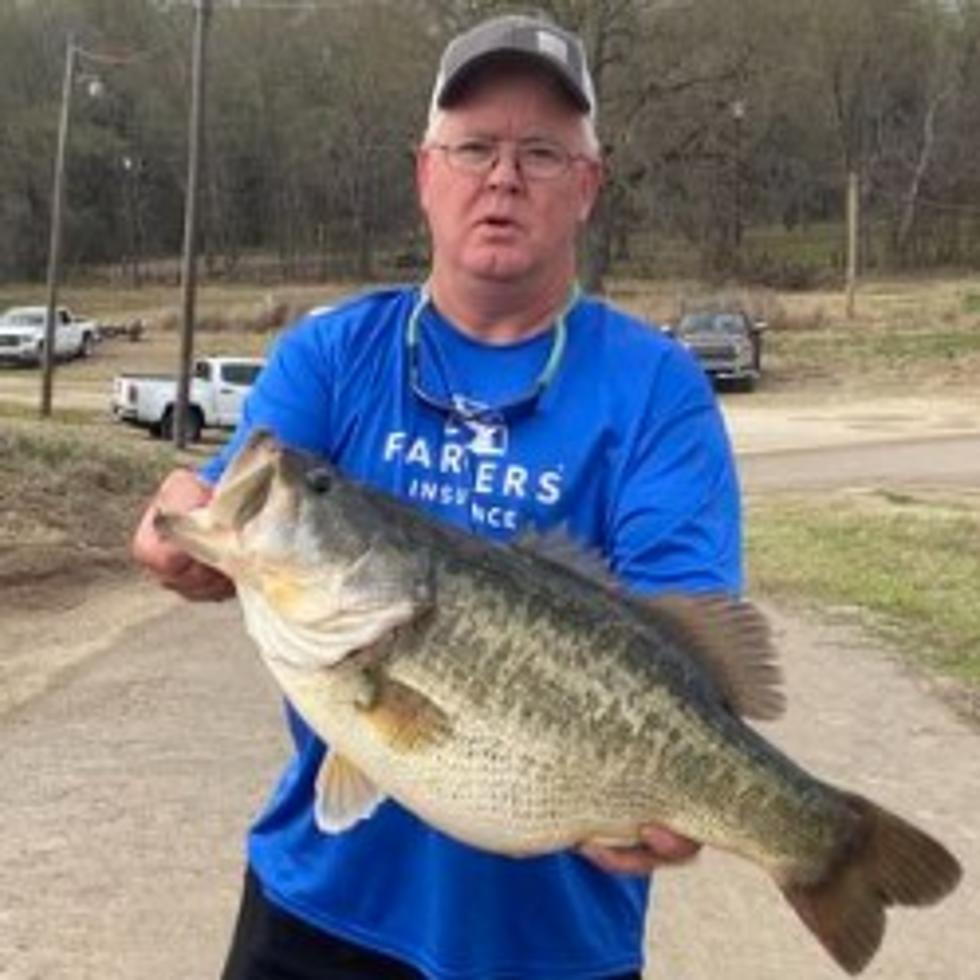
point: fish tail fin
(887, 862)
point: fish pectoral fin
(344, 795)
(404, 717)
(731, 639)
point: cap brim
(455, 86)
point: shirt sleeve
(676, 515)
(291, 396)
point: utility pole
(54, 249)
(738, 116)
(189, 266)
(853, 224)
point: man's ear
(591, 178)
(423, 173)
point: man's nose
(506, 171)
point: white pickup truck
(218, 389)
(22, 334)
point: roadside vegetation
(728, 130)
(905, 564)
(68, 500)
(922, 331)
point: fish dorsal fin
(559, 547)
(731, 639)
(344, 795)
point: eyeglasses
(537, 159)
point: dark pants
(270, 944)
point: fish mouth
(246, 485)
(269, 473)
(240, 495)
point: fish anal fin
(886, 862)
(731, 639)
(344, 795)
(404, 717)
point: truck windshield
(25, 319)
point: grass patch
(59, 415)
(910, 560)
(47, 453)
(971, 304)
(69, 501)
(222, 303)
(907, 329)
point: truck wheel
(194, 425)
(88, 346)
(192, 428)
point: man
(499, 399)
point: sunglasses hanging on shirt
(456, 407)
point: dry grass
(68, 503)
(221, 306)
(907, 562)
(921, 332)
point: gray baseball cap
(517, 37)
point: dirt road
(127, 787)
(125, 791)
(947, 461)
(139, 734)
(856, 718)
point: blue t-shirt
(627, 449)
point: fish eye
(318, 479)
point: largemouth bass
(518, 699)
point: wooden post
(189, 265)
(54, 248)
(853, 226)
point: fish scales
(525, 706)
(544, 671)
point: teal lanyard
(510, 410)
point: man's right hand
(180, 492)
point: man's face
(503, 225)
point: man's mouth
(498, 222)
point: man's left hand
(660, 848)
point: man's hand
(179, 493)
(661, 847)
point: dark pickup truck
(728, 343)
